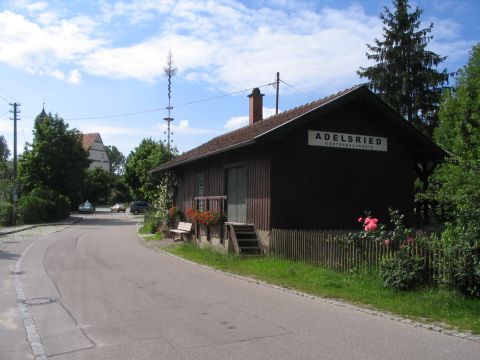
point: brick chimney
(255, 106)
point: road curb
(340, 303)
(28, 227)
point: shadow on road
(5, 255)
(107, 221)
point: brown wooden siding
(258, 199)
(258, 165)
(292, 185)
(328, 188)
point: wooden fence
(335, 252)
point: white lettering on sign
(347, 141)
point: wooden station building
(317, 166)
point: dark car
(137, 207)
(86, 208)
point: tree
(405, 74)
(6, 181)
(98, 185)
(55, 160)
(6, 172)
(458, 181)
(117, 159)
(140, 161)
(459, 133)
(4, 151)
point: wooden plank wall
(258, 166)
(258, 191)
(329, 188)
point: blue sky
(88, 60)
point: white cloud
(236, 122)
(74, 77)
(233, 46)
(136, 11)
(45, 48)
(223, 42)
(145, 61)
(31, 6)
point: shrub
(6, 213)
(459, 267)
(43, 205)
(151, 222)
(34, 209)
(403, 271)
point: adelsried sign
(346, 141)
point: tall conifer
(405, 74)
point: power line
(221, 96)
(4, 99)
(299, 91)
(7, 93)
(160, 109)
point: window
(200, 187)
(200, 190)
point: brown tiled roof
(248, 133)
(88, 140)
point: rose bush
(404, 269)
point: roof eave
(182, 162)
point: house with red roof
(96, 151)
(315, 167)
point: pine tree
(405, 74)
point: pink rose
(360, 219)
(387, 242)
(371, 226)
(367, 221)
(374, 220)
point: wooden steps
(244, 238)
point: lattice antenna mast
(169, 71)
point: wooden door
(237, 194)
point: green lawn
(431, 305)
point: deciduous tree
(459, 133)
(140, 161)
(55, 159)
(117, 159)
(4, 150)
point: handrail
(223, 197)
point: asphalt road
(94, 292)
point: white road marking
(33, 336)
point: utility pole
(277, 88)
(15, 112)
(169, 71)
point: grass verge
(432, 305)
(157, 236)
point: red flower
(360, 219)
(371, 226)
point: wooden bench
(183, 228)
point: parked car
(137, 207)
(86, 208)
(117, 208)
